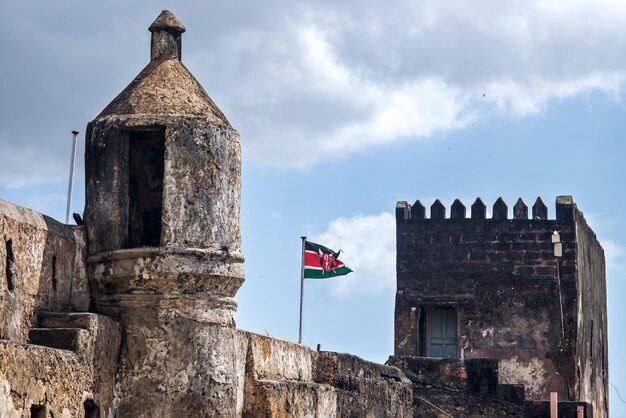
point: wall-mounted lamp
(558, 246)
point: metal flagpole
(301, 290)
(69, 187)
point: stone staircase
(84, 333)
(64, 331)
(72, 339)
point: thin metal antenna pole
(301, 290)
(558, 278)
(71, 182)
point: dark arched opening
(91, 409)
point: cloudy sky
(343, 109)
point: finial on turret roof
(167, 21)
(166, 37)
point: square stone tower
(473, 287)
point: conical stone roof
(165, 86)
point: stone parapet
(40, 269)
(275, 359)
(287, 379)
(365, 388)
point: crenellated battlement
(478, 210)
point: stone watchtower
(163, 179)
(471, 287)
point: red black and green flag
(321, 262)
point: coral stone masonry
(133, 313)
(493, 288)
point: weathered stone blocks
(39, 269)
(514, 299)
(286, 379)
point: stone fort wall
(59, 359)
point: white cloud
(368, 245)
(351, 77)
(522, 99)
(306, 82)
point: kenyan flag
(322, 263)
